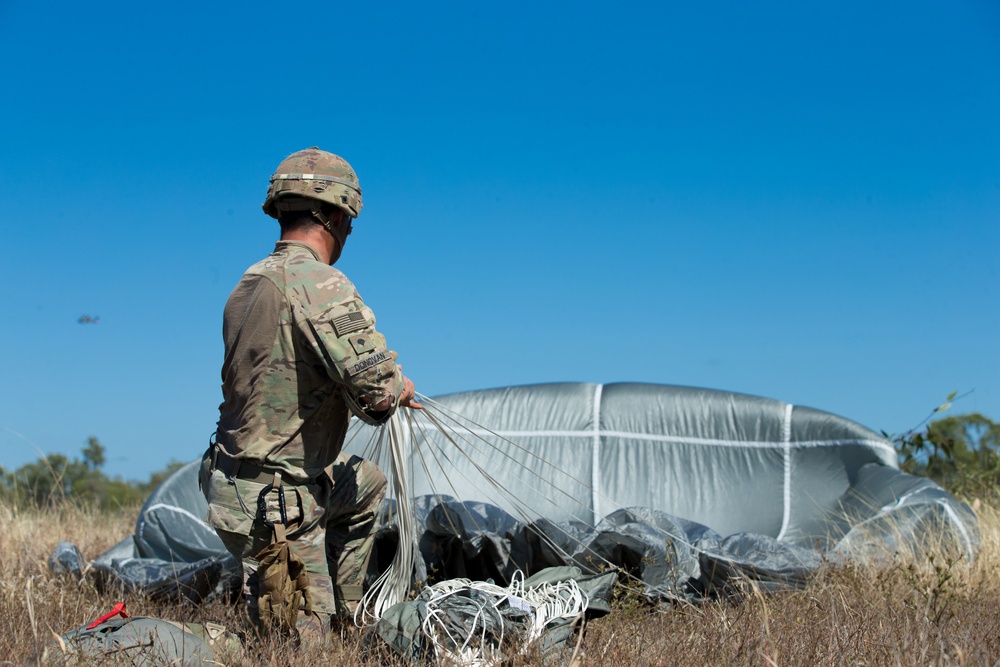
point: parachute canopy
(733, 462)
(688, 488)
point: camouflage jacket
(302, 352)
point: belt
(240, 468)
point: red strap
(118, 609)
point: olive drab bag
(283, 586)
(146, 642)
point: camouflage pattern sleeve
(356, 355)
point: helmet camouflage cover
(314, 174)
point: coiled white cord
(546, 603)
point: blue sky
(794, 200)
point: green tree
(960, 452)
(48, 480)
(93, 453)
(56, 478)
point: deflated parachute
(732, 462)
(687, 489)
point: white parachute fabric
(173, 554)
(687, 489)
(732, 462)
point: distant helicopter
(87, 319)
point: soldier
(301, 355)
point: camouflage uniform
(302, 353)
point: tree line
(57, 478)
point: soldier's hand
(406, 399)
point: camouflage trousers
(331, 527)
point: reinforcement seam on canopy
(903, 500)
(681, 439)
(898, 505)
(961, 528)
(786, 437)
(595, 478)
(170, 508)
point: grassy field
(934, 611)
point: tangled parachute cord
(477, 639)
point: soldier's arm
(357, 357)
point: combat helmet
(309, 178)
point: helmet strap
(337, 232)
(302, 204)
(321, 218)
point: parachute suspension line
(436, 622)
(524, 514)
(786, 439)
(450, 435)
(444, 473)
(373, 448)
(409, 434)
(523, 511)
(550, 488)
(394, 584)
(529, 522)
(520, 507)
(474, 432)
(596, 465)
(443, 411)
(490, 479)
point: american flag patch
(349, 323)
(371, 360)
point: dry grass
(932, 612)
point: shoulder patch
(364, 343)
(372, 360)
(349, 323)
